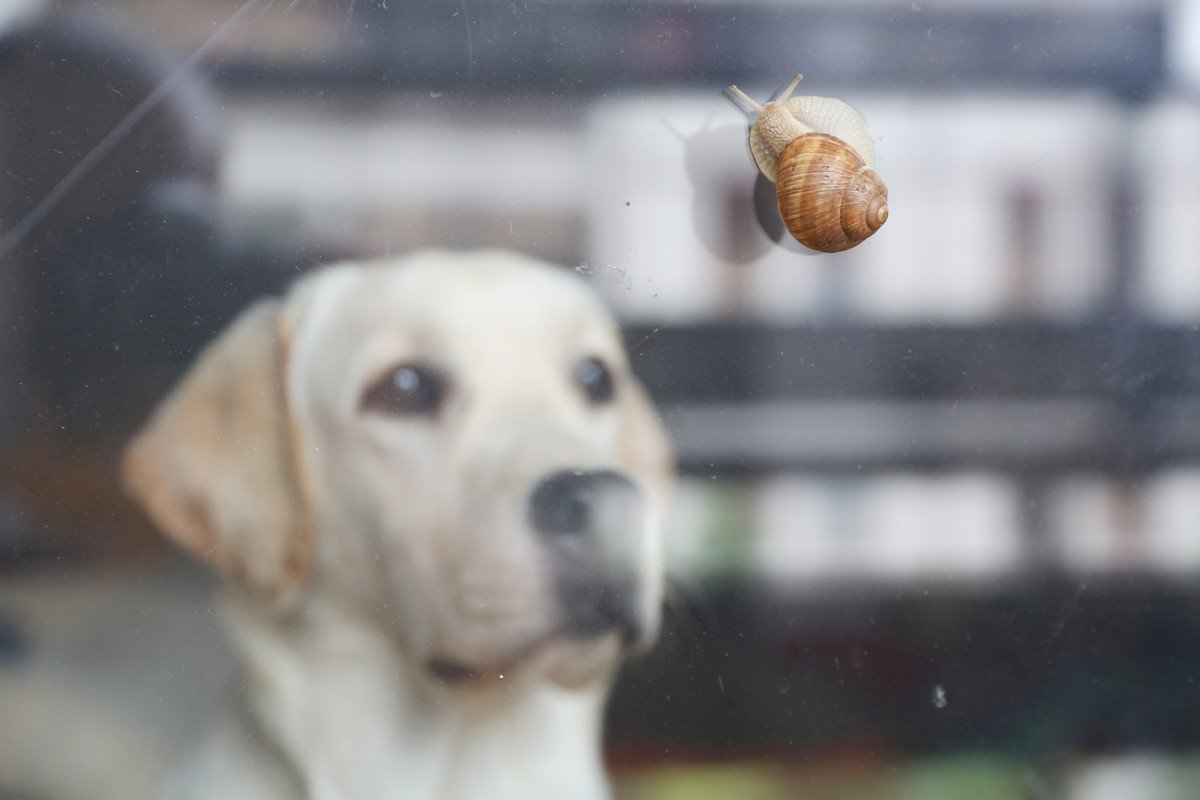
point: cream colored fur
(361, 548)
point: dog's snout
(596, 607)
(592, 523)
(572, 503)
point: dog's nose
(592, 525)
(585, 504)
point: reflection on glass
(937, 528)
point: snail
(820, 156)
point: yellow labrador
(434, 486)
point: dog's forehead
(448, 300)
(449, 290)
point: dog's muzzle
(592, 525)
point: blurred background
(938, 534)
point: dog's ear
(214, 466)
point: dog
(434, 489)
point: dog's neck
(353, 719)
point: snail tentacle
(787, 91)
(744, 102)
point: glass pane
(597, 445)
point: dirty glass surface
(937, 527)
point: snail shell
(830, 200)
(820, 155)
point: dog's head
(451, 446)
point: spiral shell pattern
(830, 200)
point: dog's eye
(596, 380)
(408, 389)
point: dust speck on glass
(577, 435)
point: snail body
(819, 154)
